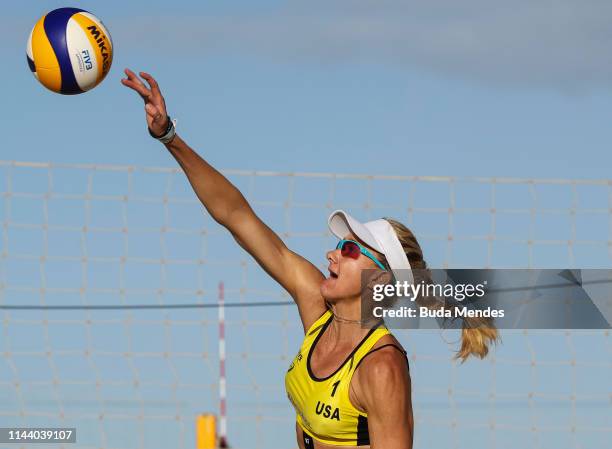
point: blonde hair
(477, 334)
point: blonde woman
(349, 384)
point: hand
(155, 106)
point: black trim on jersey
(312, 331)
(363, 435)
(315, 329)
(384, 346)
(350, 356)
(308, 440)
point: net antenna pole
(222, 381)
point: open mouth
(333, 275)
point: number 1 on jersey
(335, 384)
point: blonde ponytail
(477, 333)
(476, 336)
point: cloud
(542, 43)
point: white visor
(377, 234)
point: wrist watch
(168, 134)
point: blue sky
(441, 88)
(379, 87)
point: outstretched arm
(229, 208)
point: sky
(386, 88)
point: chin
(332, 290)
(325, 288)
(329, 289)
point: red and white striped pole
(222, 382)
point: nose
(332, 255)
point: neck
(347, 323)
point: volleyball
(69, 51)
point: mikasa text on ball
(69, 51)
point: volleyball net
(109, 305)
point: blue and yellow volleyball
(69, 51)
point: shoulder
(381, 374)
(385, 362)
(386, 353)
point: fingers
(134, 83)
(142, 91)
(131, 76)
(152, 83)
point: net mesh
(108, 290)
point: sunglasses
(353, 249)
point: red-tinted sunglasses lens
(350, 249)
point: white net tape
(135, 262)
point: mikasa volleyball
(69, 51)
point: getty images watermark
(504, 298)
(444, 292)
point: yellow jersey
(322, 405)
